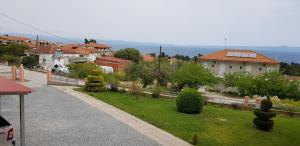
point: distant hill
(281, 53)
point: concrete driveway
(55, 118)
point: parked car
(6, 133)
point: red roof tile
(148, 58)
(14, 38)
(222, 56)
(112, 59)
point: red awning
(9, 87)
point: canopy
(9, 87)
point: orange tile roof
(96, 46)
(49, 49)
(13, 38)
(112, 59)
(222, 56)
(148, 58)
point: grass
(214, 126)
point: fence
(64, 81)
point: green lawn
(214, 126)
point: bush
(30, 61)
(189, 101)
(263, 124)
(96, 72)
(94, 84)
(236, 106)
(267, 84)
(266, 105)
(263, 116)
(156, 92)
(82, 70)
(95, 79)
(195, 139)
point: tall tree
(129, 54)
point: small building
(116, 63)
(148, 58)
(6, 39)
(230, 60)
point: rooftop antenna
(225, 46)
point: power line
(34, 28)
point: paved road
(54, 118)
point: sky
(184, 22)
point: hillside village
(52, 54)
(224, 83)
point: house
(6, 39)
(63, 54)
(148, 58)
(116, 63)
(229, 61)
(101, 49)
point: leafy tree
(194, 74)
(292, 69)
(165, 73)
(152, 54)
(10, 59)
(30, 61)
(143, 71)
(267, 84)
(86, 41)
(129, 54)
(13, 49)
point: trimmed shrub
(189, 101)
(264, 115)
(266, 105)
(96, 72)
(263, 124)
(94, 84)
(95, 79)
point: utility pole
(36, 44)
(225, 43)
(158, 72)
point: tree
(13, 49)
(266, 84)
(142, 70)
(86, 41)
(194, 74)
(30, 61)
(165, 73)
(129, 54)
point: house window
(260, 69)
(241, 67)
(230, 67)
(212, 66)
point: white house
(230, 60)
